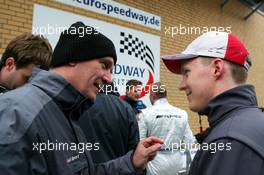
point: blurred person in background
(169, 123)
(133, 91)
(21, 55)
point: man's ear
(10, 63)
(218, 67)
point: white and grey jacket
(166, 122)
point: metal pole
(253, 11)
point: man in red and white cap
(214, 69)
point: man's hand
(145, 151)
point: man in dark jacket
(133, 91)
(39, 134)
(214, 70)
(112, 124)
(20, 56)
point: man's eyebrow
(107, 62)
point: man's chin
(193, 108)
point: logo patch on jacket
(72, 158)
(168, 116)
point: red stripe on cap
(235, 51)
(173, 65)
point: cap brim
(173, 62)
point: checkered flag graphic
(133, 46)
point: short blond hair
(159, 89)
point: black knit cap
(81, 43)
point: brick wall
(16, 18)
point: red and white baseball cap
(211, 44)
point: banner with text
(117, 10)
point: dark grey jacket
(237, 128)
(111, 122)
(39, 135)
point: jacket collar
(240, 96)
(3, 89)
(60, 90)
(130, 100)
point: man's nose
(182, 85)
(107, 78)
